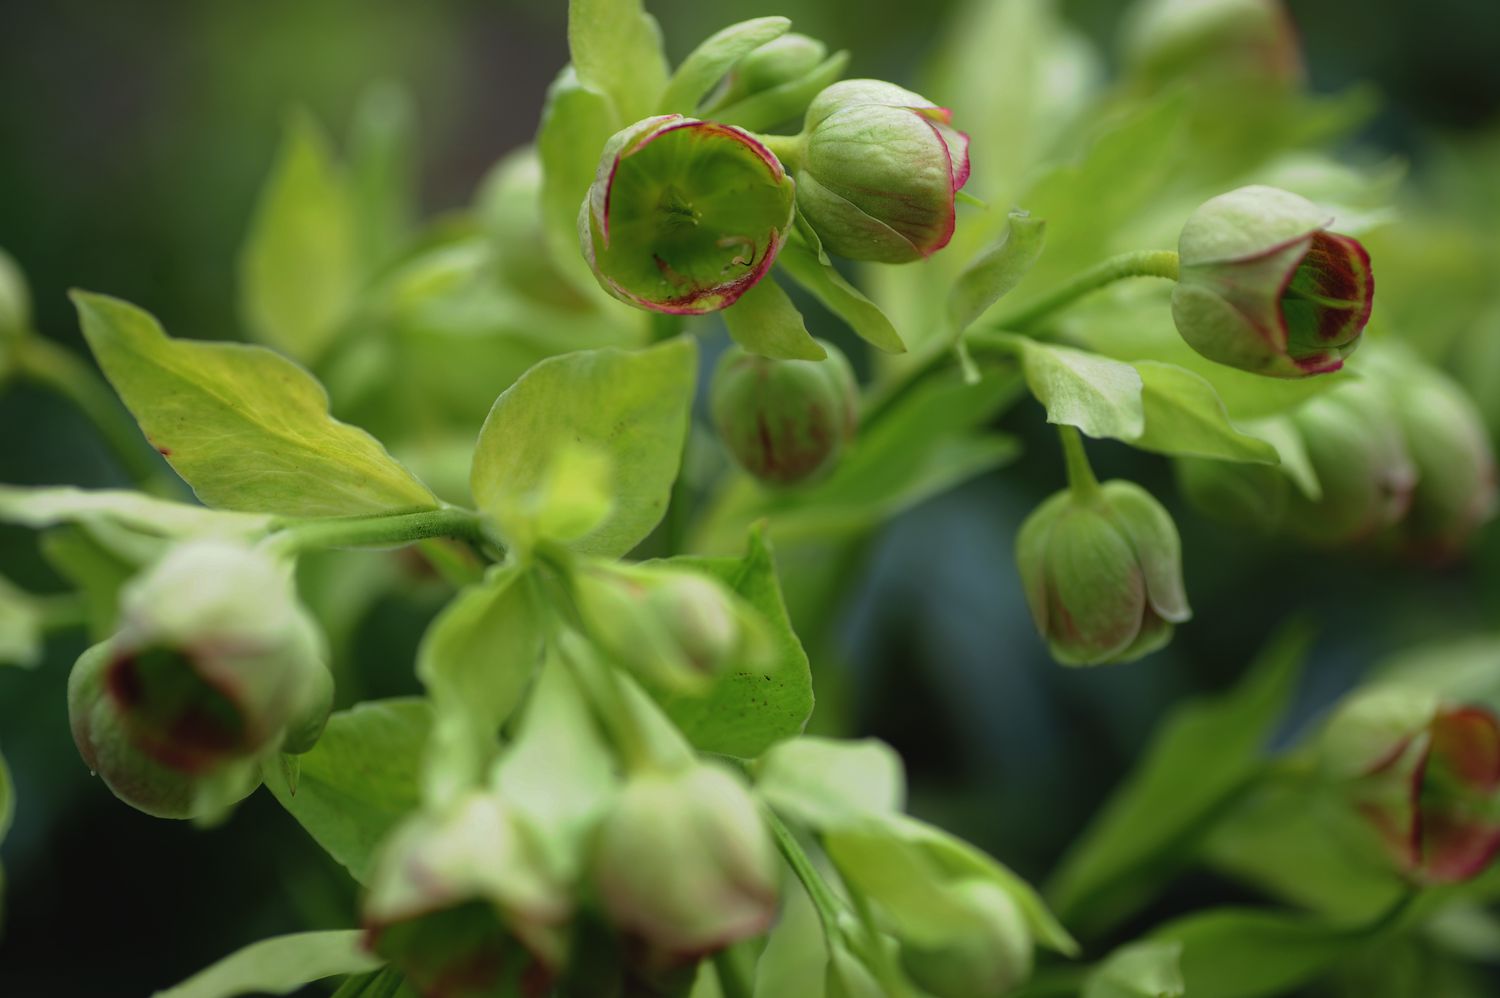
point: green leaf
(995, 272)
(795, 956)
(716, 56)
(280, 965)
(360, 780)
(840, 297)
(1139, 970)
(1202, 756)
(383, 173)
(248, 429)
(781, 103)
(616, 49)
(633, 406)
(1282, 434)
(299, 267)
(20, 637)
(476, 660)
(7, 814)
(1185, 416)
(822, 782)
(49, 506)
(576, 123)
(746, 712)
(1101, 397)
(765, 321)
(384, 983)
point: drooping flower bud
(684, 216)
(1102, 574)
(672, 627)
(986, 962)
(780, 61)
(1454, 457)
(880, 172)
(1235, 493)
(1264, 287)
(684, 862)
(1424, 775)
(1243, 41)
(1356, 449)
(215, 663)
(784, 421)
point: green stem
(1081, 478)
(823, 899)
(790, 149)
(386, 530)
(1141, 263)
(732, 982)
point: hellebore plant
(606, 787)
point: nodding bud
(674, 628)
(215, 663)
(684, 216)
(1234, 41)
(880, 172)
(780, 61)
(1356, 449)
(1265, 287)
(1425, 777)
(1102, 574)
(784, 421)
(684, 863)
(990, 960)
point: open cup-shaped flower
(1265, 287)
(685, 216)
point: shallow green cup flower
(684, 216)
(1264, 287)
(1102, 574)
(784, 421)
(880, 170)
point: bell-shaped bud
(684, 216)
(683, 861)
(1454, 458)
(880, 172)
(990, 960)
(1424, 775)
(1235, 493)
(461, 901)
(1249, 42)
(784, 421)
(1265, 287)
(780, 61)
(674, 628)
(1356, 449)
(1102, 574)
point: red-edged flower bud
(1103, 574)
(1356, 449)
(684, 862)
(880, 172)
(989, 961)
(1424, 775)
(1264, 286)
(684, 216)
(784, 421)
(1245, 41)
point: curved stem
(385, 530)
(1081, 480)
(824, 901)
(1141, 263)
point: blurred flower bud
(1424, 775)
(880, 171)
(461, 902)
(1242, 41)
(1103, 574)
(784, 421)
(780, 61)
(15, 299)
(1264, 286)
(672, 627)
(1454, 458)
(1355, 446)
(989, 961)
(1235, 493)
(684, 216)
(683, 861)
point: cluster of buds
(215, 666)
(1424, 776)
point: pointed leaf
(280, 965)
(765, 321)
(616, 48)
(840, 297)
(716, 56)
(1139, 970)
(993, 273)
(1185, 416)
(1101, 397)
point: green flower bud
(684, 216)
(1264, 286)
(215, 663)
(1246, 41)
(880, 172)
(1103, 574)
(780, 61)
(1355, 446)
(1424, 776)
(1454, 456)
(683, 861)
(784, 421)
(674, 628)
(1235, 493)
(989, 961)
